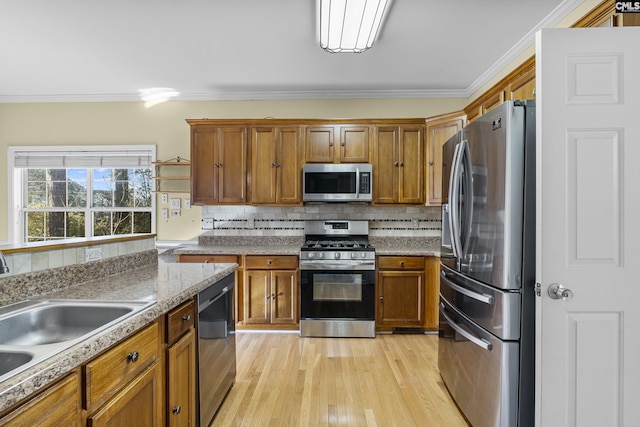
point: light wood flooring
(286, 380)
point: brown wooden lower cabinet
(400, 292)
(181, 366)
(407, 289)
(140, 403)
(271, 297)
(58, 405)
(181, 382)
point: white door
(588, 227)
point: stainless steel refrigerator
(487, 271)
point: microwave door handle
(454, 196)
(357, 183)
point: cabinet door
(400, 298)
(438, 133)
(181, 381)
(232, 170)
(283, 297)
(411, 167)
(288, 168)
(203, 170)
(257, 296)
(524, 87)
(263, 165)
(318, 144)
(354, 144)
(385, 173)
(492, 102)
(59, 405)
(139, 404)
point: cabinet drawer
(108, 373)
(180, 320)
(401, 263)
(271, 262)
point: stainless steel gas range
(337, 280)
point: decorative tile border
(256, 221)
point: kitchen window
(62, 193)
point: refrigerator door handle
(477, 341)
(466, 165)
(454, 193)
(487, 299)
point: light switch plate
(92, 254)
(165, 213)
(165, 198)
(175, 212)
(186, 203)
(175, 204)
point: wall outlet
(175, 204)
(251, 223)
(175, 212)
(92, 254)
(415, 223)
(165, 198)
(207, 224)
(165, 213)
(186, 203)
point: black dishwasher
(216, 346)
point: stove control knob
(336, 255)
(354, 255)
(311, 255)
(320, 254)
(363, 255)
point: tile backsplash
(392, 221)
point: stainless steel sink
(10, 360)
(32, 331)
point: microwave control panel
(365, 182)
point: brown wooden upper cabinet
(218, 164)
(275, 165)
(398, 173)
(337, 144)
(439, 130)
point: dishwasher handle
(214, 292)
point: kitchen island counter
(168, 284)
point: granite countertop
(401, 246)
(169, 284)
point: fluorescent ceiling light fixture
(157, 95)
(350, 26)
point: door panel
(587, 228)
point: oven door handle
(480, 342)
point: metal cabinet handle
(402, 164)
(557, 291)
(273, 165)
(269, 262)
(187, 318)
(220, 164)
(133, 357)
(395, 164)
(176, 409)
(343, 143)
(430, 163)
(401, 263)
(381, 299)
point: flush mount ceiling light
(350, 26)
(156, 95)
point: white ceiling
(106, 50)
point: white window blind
(115, 157)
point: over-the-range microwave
(339, 182)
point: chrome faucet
(4, 268)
